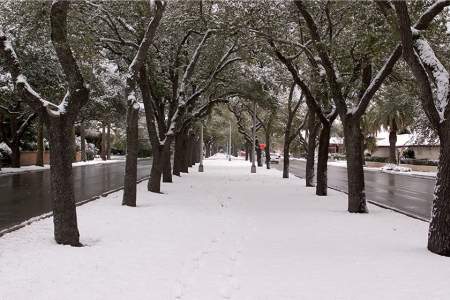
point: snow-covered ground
(226, 234)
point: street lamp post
(253, 169)
(229, 144)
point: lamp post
(200, 167)
(229, 144)
(253, 169)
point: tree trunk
(108, 143)
(184, 150)
(247, 147)
(286, 157)
(177, 155)
(392, 148)
(322, 160)
(40, 143)
(83, 141)
(313, 128)
(258, 157)
(198, 149)
(74, 145)
(167, 166)
(267, 149)
(15, 154)
(355, 172)
(439, 229)
(154, 183)
(61, 181)
(103, 143)
(207, 149)
(191, 153)
(129, 188)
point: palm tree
(395, 112)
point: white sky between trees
(226, 234)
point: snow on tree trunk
(439, 229)
(322, 160)
(355, 172)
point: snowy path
(226, 234)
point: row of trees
(183, 63)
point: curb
(408, 214)
(50, 214)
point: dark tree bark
(322, 159)
(167, 166)
(83, 140)
(63, 198)
(74, 146)
(313, 128)
(356, 184)
(185, 153)
(178, 155)
(350, 118)
(392, 142)
(130, 179)
(247, 148)
(40, 143)
(268, 132)
(208, 145)
(59, 123)
(108, 142)
(191, 153)
(437, 113)
(103, 141)
(154, 182)
(137, 67)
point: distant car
(275, 157)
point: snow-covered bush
(91, 150)
(5, 154)
(393, 167)
(5, 149)
(336, 156)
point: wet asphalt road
(27, 195)
(410, 194)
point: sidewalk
(226, 234)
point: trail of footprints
(207, 262)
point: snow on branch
(430, 13)
(438, 72)
(23, 88)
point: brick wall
(28, 158)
